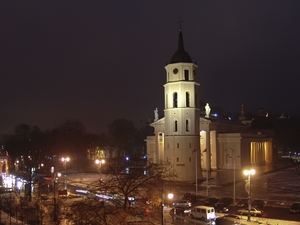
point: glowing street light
(170, 196)
(99, 163)
(65, 160)
(248, 173)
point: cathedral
(192, 142)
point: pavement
(7, 220)
(219, 183)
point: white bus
(202, 212)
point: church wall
(181, 152)
(229, 151)
(151, 149)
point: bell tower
(182, 133)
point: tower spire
(180, 38)
(180, 21)
(180, 55)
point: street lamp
(99, 163)
(233, 162)
(54, 197)
(65, 160)
(170, 196)
(248, 189)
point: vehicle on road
(182, 204)
(253, 212)
(258, 204)
(220, 207)
(180, 211)
(295, 207)
(226, 201)
(242, 203)
(190, 197)
(211, 201)
(202, 212)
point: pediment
(157, 123)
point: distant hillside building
(192, 142)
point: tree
(131, 179)
(122, 135)
(141, 182)
(95, 212)
(70, 138)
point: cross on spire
(180, 21)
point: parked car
(229, 220)
(259, 204)
(242, 203)
(220, 207)
(182, 204)
(211, 201)
(226, 201)
(190, 197)
(180, 211)
(295, 207)
(253, 212)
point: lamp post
(248, 173)
(99, 163)
(162, 202)
(54, 197)
(65, 160)
(170, 196)
(233, 157)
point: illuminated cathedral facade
(194, 143)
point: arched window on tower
(187, 99)
(186, 75)
(175, 100)
(175, 126)
(187, 125)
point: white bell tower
(182, 133)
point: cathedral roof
(262, 121)
(181, 55)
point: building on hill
(192, 142)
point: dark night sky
(97, 61)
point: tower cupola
(181, 55)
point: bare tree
(129, 179)
(125, 180)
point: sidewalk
(7, 220)
(243, 220)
